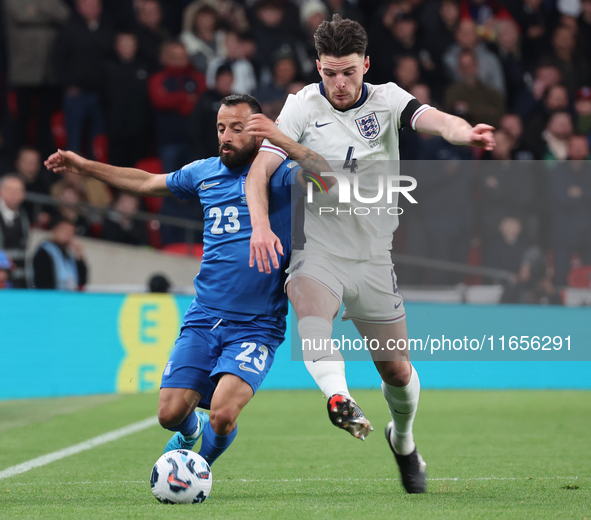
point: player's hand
(260, 125)
(264, 244)
(63, 161)
(481, 136)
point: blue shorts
(209, 347)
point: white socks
(328, 370)
(326, 367)
(403, 404)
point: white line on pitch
(77, 448)
(393, 479)
(326, 479)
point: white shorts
(368, 288)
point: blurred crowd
(138, 83)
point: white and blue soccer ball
(181, 477)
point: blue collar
(360, 102)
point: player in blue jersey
(236, 322)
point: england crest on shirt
(368, 126)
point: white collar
(8, 215)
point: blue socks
(213, 445)
(187, 427)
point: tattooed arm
(264, 244)
(261, 126)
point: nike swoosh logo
(403, 413)
(205, 186)
(242, 366)
(323, 357)
(397, 305)
(323, 124)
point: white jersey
(367, 132)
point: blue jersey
(225, 283)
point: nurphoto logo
(361, 193)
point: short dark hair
(205, 8)
(57, 219)
(158, 283)
(27, 148)
(237, 99)
(340, 38)
(246, 36)
(224, 68)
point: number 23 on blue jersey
(231, 224)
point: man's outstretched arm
(455, 129)
(264, 244)
(133, 180)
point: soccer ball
(181, 477)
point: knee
(308, 304)
(310, 307)
(396, 373)
(223, 420)
(170, 416)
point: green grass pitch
(489, 454)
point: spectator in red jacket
(174, 92)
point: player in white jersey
(345, 119)
(375, 119)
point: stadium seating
(580, 277)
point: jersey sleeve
(291, 121)
(286, 176)
(405, 108)
(184, 183)
(412, 112)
